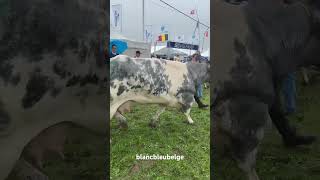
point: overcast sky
(158, 14)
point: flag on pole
(206, 34)
(163, 37)
(179, 38)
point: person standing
(113, 52)
(289, 92)
(196, 58)
(138, 53)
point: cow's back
(50, 71)
(154, 77)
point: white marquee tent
(206, 53)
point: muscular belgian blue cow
(256, 45)
(50, 71)
(154, 81)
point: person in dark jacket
(196, 58)
(113, 52)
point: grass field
(85, 158)
(173, 136)
(275, 162)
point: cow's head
(242, 118)
(199, 72)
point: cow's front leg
(186, 101)
(155, 119)
(187, 113)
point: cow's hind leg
(24, 170)
(155, 119)
(244, 146)
(121, 119)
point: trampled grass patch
(172, 136)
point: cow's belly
(165, 100)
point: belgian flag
(163, 37)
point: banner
(164, 29)
(206, 34)
(116, 17)
(148, 35)
(178, 45)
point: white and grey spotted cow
(50, 71)
(154, 81)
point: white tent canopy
(206, 53)
(170, 52)
(156, 48)
(163, 49)
(133, 46)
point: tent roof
(169, 51)
(178, 51)
(157, 48)
(206, 53)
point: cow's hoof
(123, 126)
(153, 125)
(190, 123)
(203, 106)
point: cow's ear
(239, 47)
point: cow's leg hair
(244, 150)
(248, 165)
(245, 147)
(187, 113)
(186, 104)
(155, 119)
(121, 120)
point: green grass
(274, 161)
(173, 136)
(84, 158)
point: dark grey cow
(50, 71)
(256, 45)
(154, 81)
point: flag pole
(143, 38)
